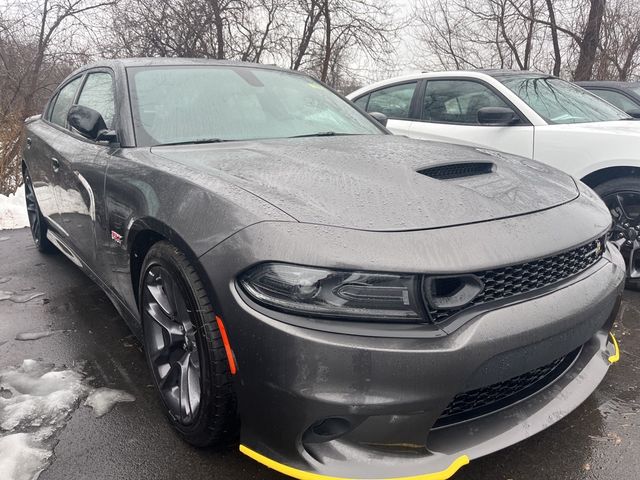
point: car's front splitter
(460, 462)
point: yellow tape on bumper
(616, 356)
(302, 475)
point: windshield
(560, 102)
(230, 102)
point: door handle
(56, 164)
(29, 142)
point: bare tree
(481, 33)
(581, 39)
(590, 40)
(619, 49)
(557, 55)
(37, 49)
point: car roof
(502, 73)
(123, 63)
(608, 83)
(497, 74)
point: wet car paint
(599, 440)
(225, 223)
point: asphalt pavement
(600, 440)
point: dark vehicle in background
(624, 95)
(356, 304)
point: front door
(448, 112)
(80, 176)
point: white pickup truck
(528, 114)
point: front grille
(457, 170)
(482, 401)
(514, 280)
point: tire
(622, 197)
(182, 341)
(37, 223)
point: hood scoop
(458, 170)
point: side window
(457, 101)
(394, 102)
(97, 93)
(362, 102)
(63, 102)
(617, 99)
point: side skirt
(131, 319)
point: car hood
(374, 182)
(622, 127)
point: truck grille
(482, 401)
(514, 280)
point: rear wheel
(184, 348)
(622, 197)
(37, 223)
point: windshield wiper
(321, 134)
(196, 141)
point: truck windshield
(214, 103)
(559, 102)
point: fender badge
(116, 237)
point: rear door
(82, 165)
(396, 101)
(448, 112)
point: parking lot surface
(600, 440)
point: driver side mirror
(497, 116)
(90, 124)
(380, 118)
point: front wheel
(184, 348)
(622, 197)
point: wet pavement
(600, 440)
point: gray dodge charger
(347, 303)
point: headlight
(334, 293)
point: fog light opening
(328, 429)
(450, 292)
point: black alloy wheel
(622, 197)
(37, 223)
(170, 340)
(184, 348)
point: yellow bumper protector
(616, 356)
(302, 475)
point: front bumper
(391, 391)
(387, 388)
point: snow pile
(19, 460)
(19, 297)
(40, 395)
(102, 400)
(13, 211)
(36, 401)
(26, 336)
